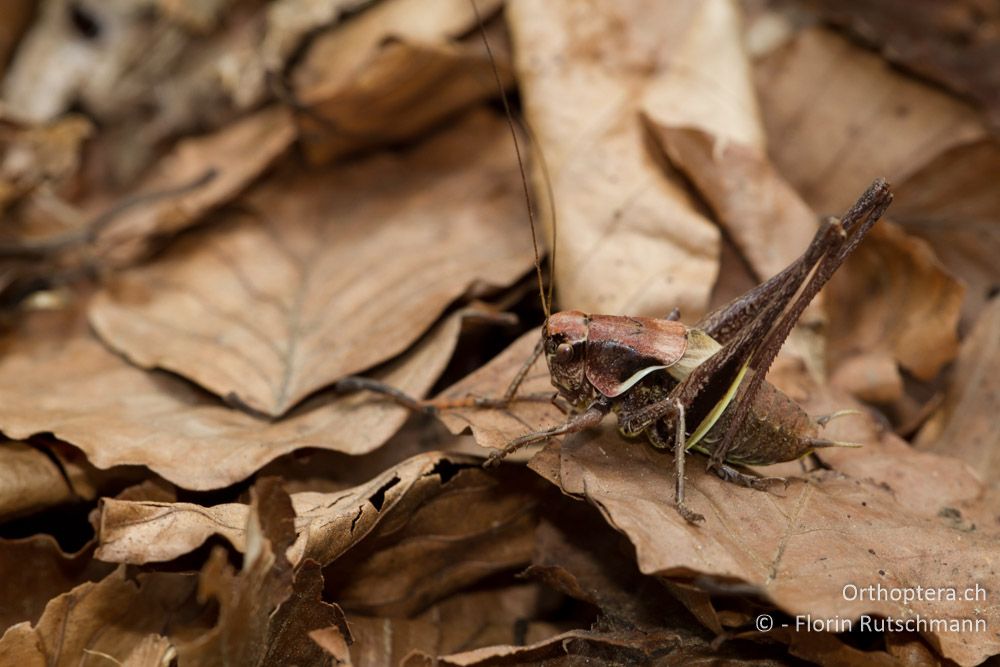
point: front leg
(644, 419)
(589, 418)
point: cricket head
(565, 344)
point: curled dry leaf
(35, 570)
(56, 377)
(953, 203)
(326, 273)
(440, 521)
(112, 618)
(966, 424)
(894, 298)
(838, 117)
(392, 73)
(199, 174)
(268, 608)
(630, 238)
(29, 480)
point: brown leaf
(578, 554)
(839, 117)
(112, 618)
(623, 647)
(266, 610)
(37, 570)
(946, 42)
(966, 424)
(386, 76)
(199, 174)
(460, 622)
(631, 239)
(436, 513)
(29, 480)
(800, 548)
(341, 269)
(953, 204)
(495, 428)
(893, 297)
(55, 377)
(768, 221)
(33, 156)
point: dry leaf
(44, 155)
(894, 297)
(36, 570)
(55, 377)
(326, 273)
(493, 427)
(595, 647)
(838, 117)
(112, 618)
(800, 548)
(953, 203)
(29, 480)
(14, 21)
(946, 42)
(460, 622)
(966, 424)
(630, 238)
(199, 174)
(392, 73)
(267, 610)
(448, 522)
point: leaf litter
(193, 251)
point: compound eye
(564, 353)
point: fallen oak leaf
(342, 269)
(55, 377)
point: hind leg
(731, 474)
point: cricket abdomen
(775, 430)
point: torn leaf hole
(446, 469)
(377, 499)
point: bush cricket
(682, 387)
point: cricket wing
(623, 350)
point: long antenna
(546, 302)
